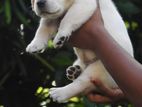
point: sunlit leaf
(46, 95)
(45, 90)
(74, 99)
(50, 44)
(127, 24)
(134, 25)
(39, 90)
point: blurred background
(25, 79)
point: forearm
(124, 69)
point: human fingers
(115, 93)
(97, 98)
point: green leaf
(62, 59)
(134, 25)
(8, 12)
(50, 44)
(21, 17)
(74, 99)
(88, 103)
(39, 90)
(44, 62)
(1, 9)
(127, 7)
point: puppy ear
(32, 4)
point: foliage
(25, 78)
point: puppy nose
(41, 3)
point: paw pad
(62, 38)
(61, 41)
(73, 72)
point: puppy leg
(72, 72)
(62, 94)
(43, 34)
(79, 85)
(83, 83)
(77, 15)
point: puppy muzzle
(41, 4)
(47, 7)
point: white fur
(76, 13)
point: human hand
(108, 96)
(82, 37)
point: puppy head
(50, 8)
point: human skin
(108, 95)
(125, 70)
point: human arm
(125, 70)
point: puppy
(66, 16)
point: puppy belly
(97, 71)
(115, 25)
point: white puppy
(66, 16)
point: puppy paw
(36, 46)
(59, 94)
(73, 72)
(60, 39)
